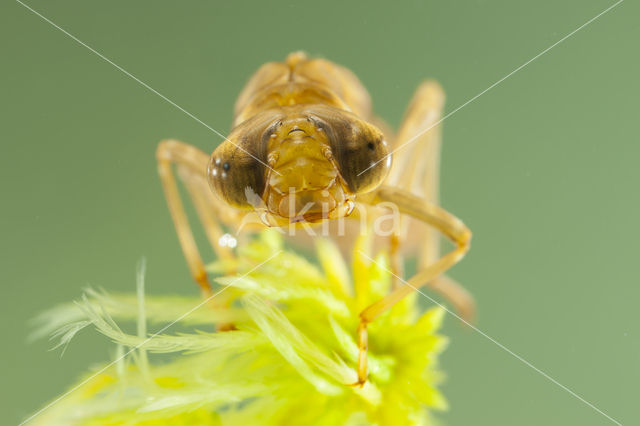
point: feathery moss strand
(291, 359)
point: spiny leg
(435, 216)
(207, 209)
(193, 163)
(417, 159)
(424, 113)
(416, 169)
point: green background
(543, 168)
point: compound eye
(236, 177)
(361, 152)
(237, 173)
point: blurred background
(543, 168)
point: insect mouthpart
(307, 205)
(312, 206)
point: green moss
(290, 361)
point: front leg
(443, 221)
(192, 166)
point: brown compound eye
(237, 177)
(359, 149)
(237, 171)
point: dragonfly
(306, 148)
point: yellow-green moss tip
(290, 361)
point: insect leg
(189, 158)
(208, 208)
(440, 219)
(417, 164)
(417, 159)
(416, 169)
